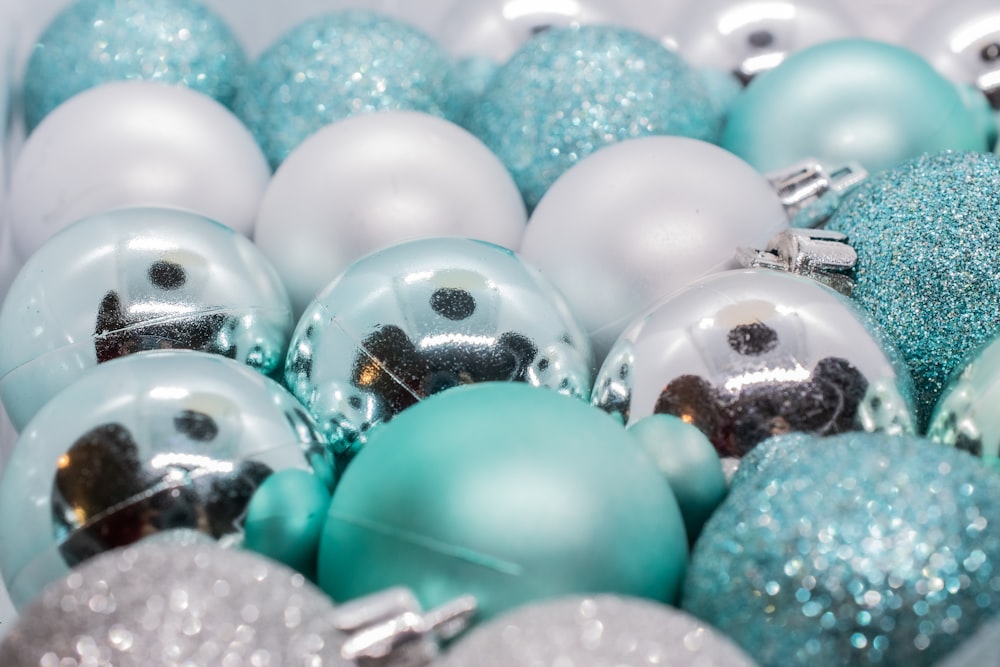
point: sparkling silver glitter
(572, 90)
(96, 41)
(596, 631)
(928, 261)
(335, 65)
(856, 549)
(173, 604)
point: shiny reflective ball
(960, 39)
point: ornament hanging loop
(810, 193)
(819, 254)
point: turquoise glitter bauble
(335, 65)
(926, 237)
(96, 41)
(508, 492)
(572, 90)
(856, 549)
(849, 100)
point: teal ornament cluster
(91, 42)
(926, 237)
(853, 549)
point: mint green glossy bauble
(852, 99)
(509, 492)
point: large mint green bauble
(509, 492)
(852, 99)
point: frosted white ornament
(130, 144)
(374, 180)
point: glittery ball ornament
(856, 549)
(335, 65)
(423, 316)
(152, 442)
(508, 492)
(133, 280)
(96, 41)
(925, 233)
(849, 100)
(572, 90)
(195, 605)
(592, 632)
(744, 355)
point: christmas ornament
(570, 91)
(925, 237)
(744, 355)
(849, 100)
(979, 649)
(595, 631)
(508, 492)
(373, 180)
(131, 144)
(961, 40)
(640, 219)
(155, 441)
(133, 280)
(854, 549)
(334, 65)
(91, 42)
(423, 316)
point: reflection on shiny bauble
(961, 39)
(158, 603)
(744, 355)
(133, 280)
(855, 549)
(423, 316)
(154, 441)
(592, 632)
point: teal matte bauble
(849, 100)
(509, 492)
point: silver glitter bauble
(595, 631)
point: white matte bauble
(637, 220)
(374, 180)
(960, 39)
(130, 144)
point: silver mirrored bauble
(151, 442)
(417, 318)
(961, 39)
(748, 354)
(133, 280)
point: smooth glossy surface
(961, 39)
(640, 219)
(374, 180)
(849, 100)
(508, 492)
(744, 355)
(153, 442)
(420, 317)
(134, 144)
(133, 280)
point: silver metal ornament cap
(810, 193)
(820, 254)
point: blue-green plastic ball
(508, 492)
(856, 549)
(849, 100)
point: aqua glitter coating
(338, 64)
(928, 261)
(856, 549)
(96, 41)
(570, 91)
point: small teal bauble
(849, 100)
(508, 492)
(161, 440)
(97, 41)
(571, 90)
(855, 549)
(925, 233)
(335, 65)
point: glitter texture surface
(95, 41)
(160, 603)
(570, 91)
(594, 632)
(926, 237)
(856, 549)
(339, 64)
